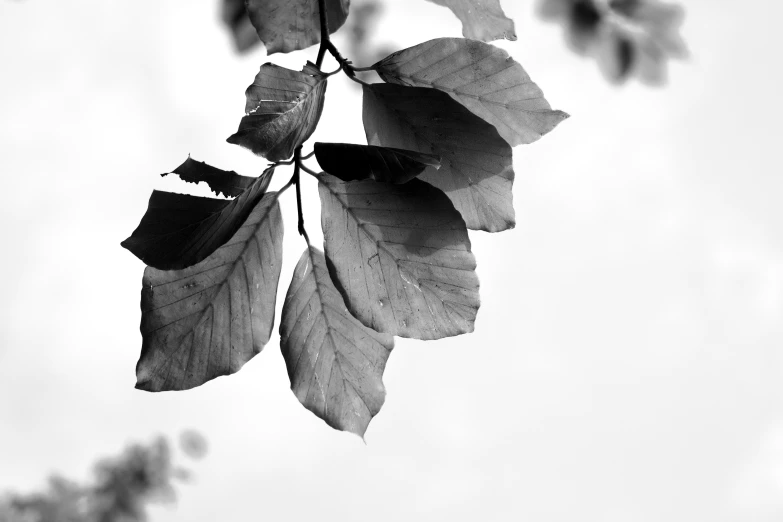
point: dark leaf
(282, 110)
(357, 162)
(481, 77)
(210, 319)
(226, 182)
(400, 255)
(481, 19)
(290, 25)
(476, 171)
(335, 363)
(235, 17)
(178, 231)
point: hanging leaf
(476, 171)
(178, 230)
(226, 182)
(335, 363)
(400, 255)
(356, 162)
(235, 17)
(481, 77)
(481, 19)
(290, 25)
(282, 110)
(210, 319)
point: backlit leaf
(476, 171)
(290, 25)
(210, 319)
(335, 363)
(282, 110)
(481, 77)
(481, 19)
(400, 255)
(178, 230)
(356, 162)
(226, 182)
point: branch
(324, 33)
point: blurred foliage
(628, 38)
(120, 492)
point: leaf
(335, 363)
(356, 162)
(476, 171)
(290, 25)
(178, 230)
(282, 110)
(229, 183)
(210, 319)
(400, 255)
(481, 19)
(235, 17)
(481, 77)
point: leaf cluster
(395, 213)
(628, 38)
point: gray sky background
(626, 364)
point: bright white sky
(626, 364)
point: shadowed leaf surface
(481, 77)
(476, 171)
(357, 162)
(334, 362)
(400, 255)
(178, 230)
(208, 320)
(282, 110)
(235, 17)
(290, 25)
(481, 19)
(226, 182)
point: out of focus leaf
(235, 17)
(400, 255)
(282, 110)
(626, 37)
(481, 77)
(357, 162)
(226, 182)
(208, 320)
(178, 230)
(290, 25)
(335, 363)
(481, 19)
(476, 171)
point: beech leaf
(335, 363)
(226, 182)
(357, 162)
(178, 230)
(400, 255)
(481, 77)
(210, 319)
(481, 19)
(282, 110)
(476, 171)
(290, 25)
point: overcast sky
(626, 364)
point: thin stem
(311, 172)
(297, 181)
(308, 156)
(324, 33)
(364, 69)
